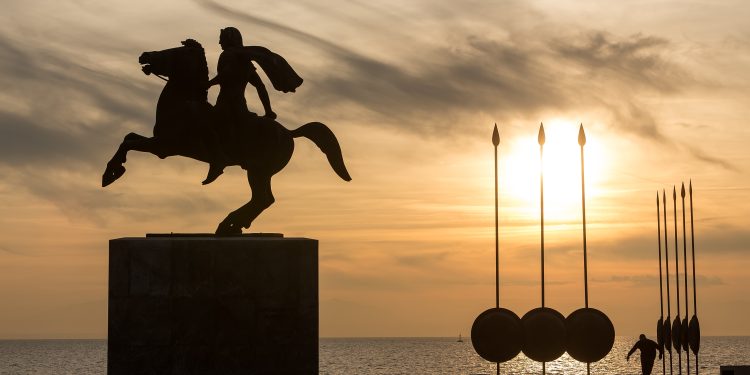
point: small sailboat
(459, 338)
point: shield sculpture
(676, 334)
(544, 334)
(694, 336)
(497, 335)
(591, 335)
(660, 333)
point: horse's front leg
(132, 141)
(262, 198)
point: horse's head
(185, 65)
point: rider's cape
(281, 74)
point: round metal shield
(676, 334)
(667, 335)
(590, 335)
(684, 335)
(695, 335)
(660, 332)
(544, 334)
(497, 335)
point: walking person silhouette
(648, 350)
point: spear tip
(682, 192)
(495, 136)
(541, 137)
(581, 136)
(691, 186)
(674, 192)
(664, 196)
(657, 198)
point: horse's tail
(324, 138)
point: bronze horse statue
(186, 125)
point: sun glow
(520, 173)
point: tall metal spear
(695, 331)
(496, 142)
(677, 326)
(582, 142)
(668, 321)
(660, 323)
(684, 331)
(541, 139)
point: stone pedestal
(213, 305)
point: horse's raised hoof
(226, 228)
(112, 173)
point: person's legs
(647, 364)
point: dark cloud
(308, 38)
(638, 60)
(534, 71)
(701, 155)
(519, 78)
(60, 95)
(21, 142)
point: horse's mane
(192, 43)
(202, 67)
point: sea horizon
(376, 356)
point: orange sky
(412, 92)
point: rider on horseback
(234, 71)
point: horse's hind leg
(262, 198)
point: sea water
(365, 356)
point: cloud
(65, 112)
(649, 281)
(432, 89)
(639, 60)
(421, 260)
(711, 241)
(701, 155)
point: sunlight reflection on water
(375, 356)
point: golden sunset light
(412, 91)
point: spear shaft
(677, 277)
(684, 257)
(582, 142)
(541, 140)
(661, 287)
(692, 246)
(496, 142)
(666, 267)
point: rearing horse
(185, 126)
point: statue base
(213, 305)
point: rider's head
(230, 37)
(642, 337)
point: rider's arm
(215, 81)
(254, 79)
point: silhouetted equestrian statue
(228, 133)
